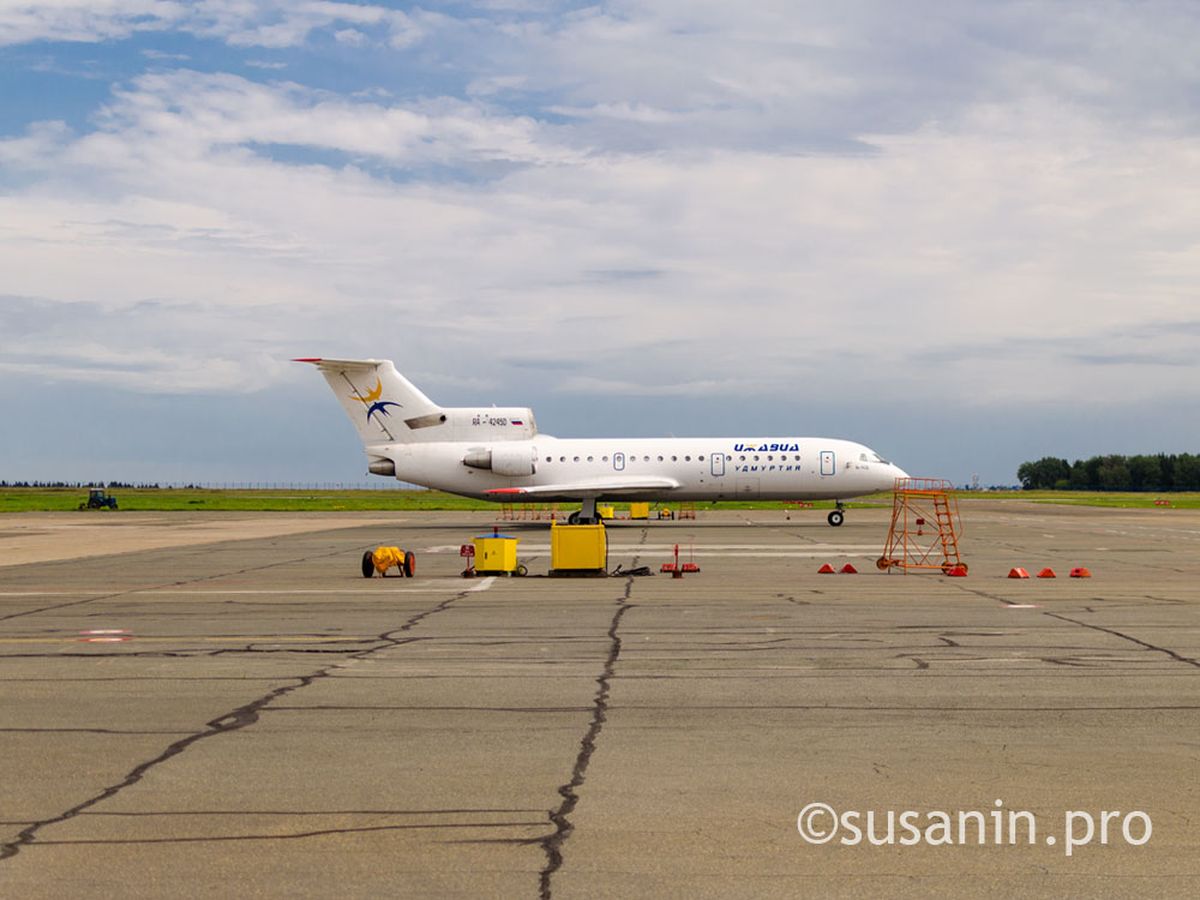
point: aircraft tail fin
(384, 406)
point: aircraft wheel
(836, 517)
(368, 564)
(410, 564)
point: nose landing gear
(836, 517)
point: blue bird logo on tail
(381, 408)
(371, 400)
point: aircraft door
(718, 464)
(619, 462)
(827, 463)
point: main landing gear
(836, 517)
(586, 515)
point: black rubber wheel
(521, 571)
(368, 564)
(410, 564)
(836, 517)
(573, 518)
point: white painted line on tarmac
(685, 551)
(532, 546)
(53, 593)
(483, 585)
(425, 586)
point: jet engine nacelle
(379, 466)
(503, 459)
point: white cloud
(1004, 260)
(84, 20)
(769, 195)
(191, 112)
(245, 23)
(351, 37)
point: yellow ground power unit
(495, 553)
(639, 510)
(578, 549)
(605, 512)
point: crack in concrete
(317, 832)
(169, 584)
(184, 813)
(234, 720)
(163, 731)
(1146, 644)
(552, 844)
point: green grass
(1106, 499)
(249, 500)
(174, 499)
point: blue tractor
(98, 499)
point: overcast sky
(966, 234)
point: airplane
(498, 454)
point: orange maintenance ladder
(925, 527)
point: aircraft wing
(593, 487)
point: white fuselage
(705, 468)
(497, 453)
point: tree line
(78, 484)
(1144, 472)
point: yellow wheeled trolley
(383, 558)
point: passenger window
(701, 458)
(590, 459)
(687, 459)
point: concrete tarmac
(251, 716)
